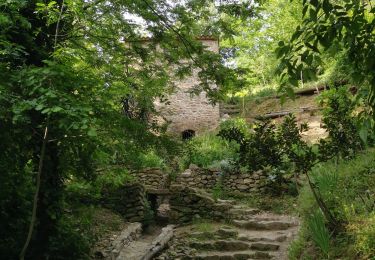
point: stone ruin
(187, 114)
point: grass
(203, 225)
(203, 229)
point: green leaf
(297, 33)
(39, 107)
(56, 109)
(313, 15)
(314, 48)
(46, 110)
(92, 132)
(304, 11)
(315, 3)
(363, 134)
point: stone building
(189, 115)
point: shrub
(257, 150)
(339, 121)
(269, 147)
(238, 123)
(91, 192)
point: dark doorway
(188, 134)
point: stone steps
(264, 235)
(240, 255)
(263, 224)
(250, 234)
(243, 213)
(233, 245)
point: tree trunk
(36, 195)
(332, 222)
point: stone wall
(187, 112)
(187, 203)
(209, 178)
(152, 178)
(129, 200)
(155, 179)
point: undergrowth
(349, 191)
(206, 150)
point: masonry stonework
(187, 112)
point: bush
(339, 121)
(238, 123)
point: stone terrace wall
(128, 200)
(152, 178)
(208, 178)
(155, 179)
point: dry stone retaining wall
(152, 178)
(129, 200)
(209, 178)
(186, 196)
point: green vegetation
(252, 48)
(207, 150)
(77, 91)
(338, 36)
(348, 190)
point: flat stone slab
(263, 225)
(238, 255)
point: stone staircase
(249, 234)
(230, 109)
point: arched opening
(188, 134)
